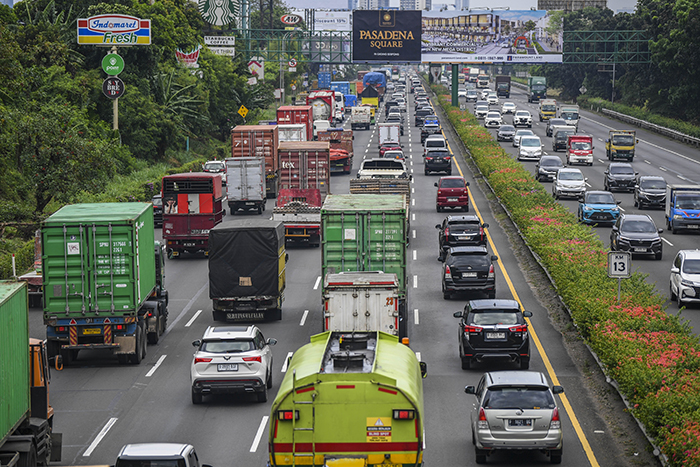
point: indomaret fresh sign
(119, 30)
(386, 36)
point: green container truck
(364, 232)
(350, 399)
(536, 88)
(103, 280)
(26, 418)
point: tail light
(447, 231)
(447, 159)
(521, 328)
(119, 327)
(555, 424)
(448, 273)
(61, 329)
(404, 414)
(468, 328)
(286, 415)
(481, 232)
(428, 158)
(492, 273)
(482, 424)
(202, 360)
(253, 359)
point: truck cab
(579, 149)
(682, 207)
(548, 109)
(620, 145)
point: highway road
(101, 405)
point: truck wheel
(123, 359)
(138, 354)
(28, 459)
(259, 209)
(276, 314)
(68, 356)
(480, 456)
(524, 363)
(268, 383)
(154, 337)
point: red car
(389, 147)
(452, 193)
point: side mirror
(636, 173)
(441, 259)
(470, 389)
(606, 172)
(618, 202)
(494, 258)
(484, 226)
(585, 179)
(675, 270)
(467, 183)
(614, 228)
(286, 257)
(358, 175)
(557, 390)
(196, 343)
(437, 226)
(457, 314)
(423, 369)
(435, 184)
(271, 341)
(660, 230)
(527, 314)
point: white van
(320, 125)
(434, 142)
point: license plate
(92, 331)
(452, 200)
(468, 274)
(520, 422)
(693, 226)
(640, 250)
(495, 335)
(188, 244)
(227, 367)
(464, 237)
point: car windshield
(551, 162)
(580, 146)
(150, 463)
(623, 170)
(228, 346)
(494, 115)
(505, 128)
(452, 183)
(434, 143)
(623, 140)
(465, 226)
(600, 198)
(691, 202)
(555, 122)
(157, 201)
(570, 115)
(477, 260)
(492, 318)
(481, 108)
(562, 134)
(570, 175)
(518, 398)
(523, 132)
(691, 266)
(521, 113)
(213, 166)
(653, 184)
(438, 154)
(632, 226)
(530, 142)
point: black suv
(468, 269)
(547, 168)
(554, 122)
(421, 114)
(437, 160)
(620, 176)
(637, 234)
(429, 129)
(650, 191)
(389, 105)
(493, 329)
(460, 231)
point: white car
(484, 94)
(522, 118)
(492, 97)
(402, 104)
(508, 108)
(480, 111)
(519, 134)
(216, 167)
(568, 182)
(231, 359)
(685, 277)
(530, 148)
(493, 119)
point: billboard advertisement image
(386, 36)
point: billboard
(498, 36)
(111, 30)
(386, 36)
(332, 21)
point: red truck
(291, 114)
(259, 141)
(192, 205)
(579, 149)
(341, 148)
(304, 185)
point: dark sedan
(620, 176)
(547, 168)
(461, 230)
(637, 234)
(493, 329)
(468, 269)
(650, 191)
(552, 122)
(505, 133)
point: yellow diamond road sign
(243, 111)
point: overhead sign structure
(113, 87)
(112, 64)
(114, 30)
(386, 36)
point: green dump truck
(365, 232)
(103, 280)
(350, 399)
(26, 417)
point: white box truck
(246, 184)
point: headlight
(624, 239)
(615, 209)
(677, 216)
(587, 208)
(687, 283)
(538, 152)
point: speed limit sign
(619, 264)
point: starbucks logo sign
(218, 12)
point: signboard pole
(455, 84)
(115, 104)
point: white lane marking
(621, 208)
(663, 168)
(415, 253)
(286, 361)
(318, 281)
(415, 281)
(684, 178)
(155, 367)
(258, 435)
(415, 316)
(110, 423)
(366, 150)
(601, 161)
(647, 162)
(414, 234)
(303, 317)
(413, 217)
(588, 184)
(413, 190)
(667, 242)
(418, 356)
(411, 170)
(413, 201)
(189, 323)
(186, 309)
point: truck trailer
(296, 115)
(349, 399)
(246, 189)
(259, 141)
(103, 285)
(341, 148)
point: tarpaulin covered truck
(246, 187)
(536, 88)
(259, 141)
(26, 416)
(341, 148)
(192, 205)
(682, 210)
(503, 86)
(247, 270)
(362, 232)
(349, 397)
(103, 284)
(297, 114)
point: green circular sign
(113, 64)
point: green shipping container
(14, 349)
(98, 260)
(364, 233)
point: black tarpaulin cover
(244, 258)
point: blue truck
(682, 207)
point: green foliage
(24, 259)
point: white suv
(231, 359)
(569, 182)
(493, 119)
(530, 148)
(522, 118)
(685, 277)
(492, 98)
